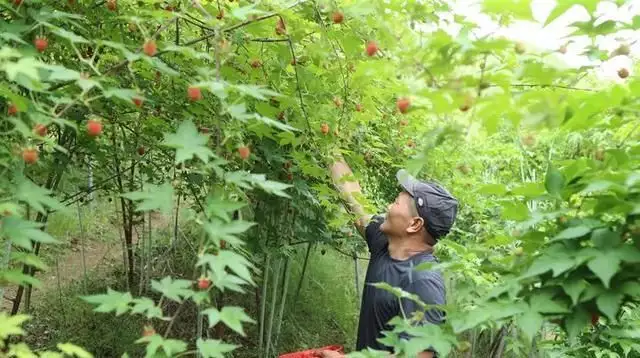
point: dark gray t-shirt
(380, 306)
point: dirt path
(70, 265)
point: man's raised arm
(350, 190)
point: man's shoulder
(425, 273)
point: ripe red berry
(30, 155)
(203, 283)
(141, 150)
(12, 110)
(244, 152)
(150, 48)
(194, 93)
(17, 2)
(41, 43)
(372, 48)
(94, 128)
(112, 5)
(403, 105)
(324, 128)
(623, 73)
(337, 17)
(594, 319)
(204, 130)
(137, 101)
(256, 63)
(40, 129)
(290, 176)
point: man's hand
(328, 354)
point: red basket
(310, 352)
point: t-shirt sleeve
(376, 240)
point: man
(422, 214)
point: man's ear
(416, 225)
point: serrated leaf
(35, 196)
(609, 304)
(17, 277)
(170, 347)
(29, 259)
(605, 237)
(73, 350)
(188, 143)
(572, 233)
(238, 264)
(69, 35)
(213, 348)
(530, 323)
(219, 230)
(11, 325)
(22, 232)
(574, 288)
(493, 189)
(605, 266)
(554, 181)
(257, 92)
(111, 301)
(176, 290)
(147, 307)
(217, 206)
(231, 316)
(543, 302)
(154, 197)
(576, 322)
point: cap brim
(406, 181)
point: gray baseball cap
(436, 206)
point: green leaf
(604, 238)
(170, 347)
(147, 307)
(605, 266)
(69, 35)
(175, 290)
(35, 196)
(16, 277)
(124, 94)
(576, 322)
(217, 206)
(111, 301)
(228, 259)
(231, 316)
(631, 288)
(543, 302)
(188, 142)
(213, 348)
(554, 181)
(609, 303)
(154, 197)
(530, 323)
(529, 190)
(574, 288)
(493, 189)
(11, 325)
(29, 259)
(515, 210)
(520, 9)
(572, 233)
(257, 92)
(219, 230)
(22, 232)
(73, 350)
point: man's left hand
(328, 354)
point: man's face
(401, 214)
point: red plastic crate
(310, 352)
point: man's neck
(404, 248)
